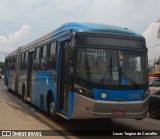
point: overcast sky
(22, 21)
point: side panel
(42, 83)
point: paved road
(154, 88)
(16, 115)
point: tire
(52, 113)
(9, 90)
(154, 111)
(24, 94)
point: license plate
(118, 113)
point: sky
(23, 21)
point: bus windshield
(111, 67)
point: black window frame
(52, 58)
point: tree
(158, 33)
(2, 66)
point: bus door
(29, 73)
(64, 81)
(17, 65)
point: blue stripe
(40, 87)
(70, 104)
(121, 95)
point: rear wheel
(154, 111)
(24, 94)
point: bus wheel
(53, 115)
(24, 95)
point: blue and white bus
(82, 71)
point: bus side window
(23, 63)
(36, 59)
(26, 58)
(14, 62)
(6, 63)
(43, 64)
(52, 56)
(9, 63)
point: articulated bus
(82, 71)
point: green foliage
(2, 66)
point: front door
(64, 78)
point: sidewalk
(14, 118)
(154, 88)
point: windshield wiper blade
(107, 69)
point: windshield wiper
(109, 68)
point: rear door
(29, 73)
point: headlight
(83, 92)
(146, 94)
(104, 95)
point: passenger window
(36, 63)
(22, 55)
(44, 53)
(37, 53)
(43, 63)
(53, 49)
(52, 56)
(14, 62)
(26, 57)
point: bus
(83, 71)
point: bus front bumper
(85, 108)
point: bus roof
(96, 28)
(86, 28)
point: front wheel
(52, 112)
